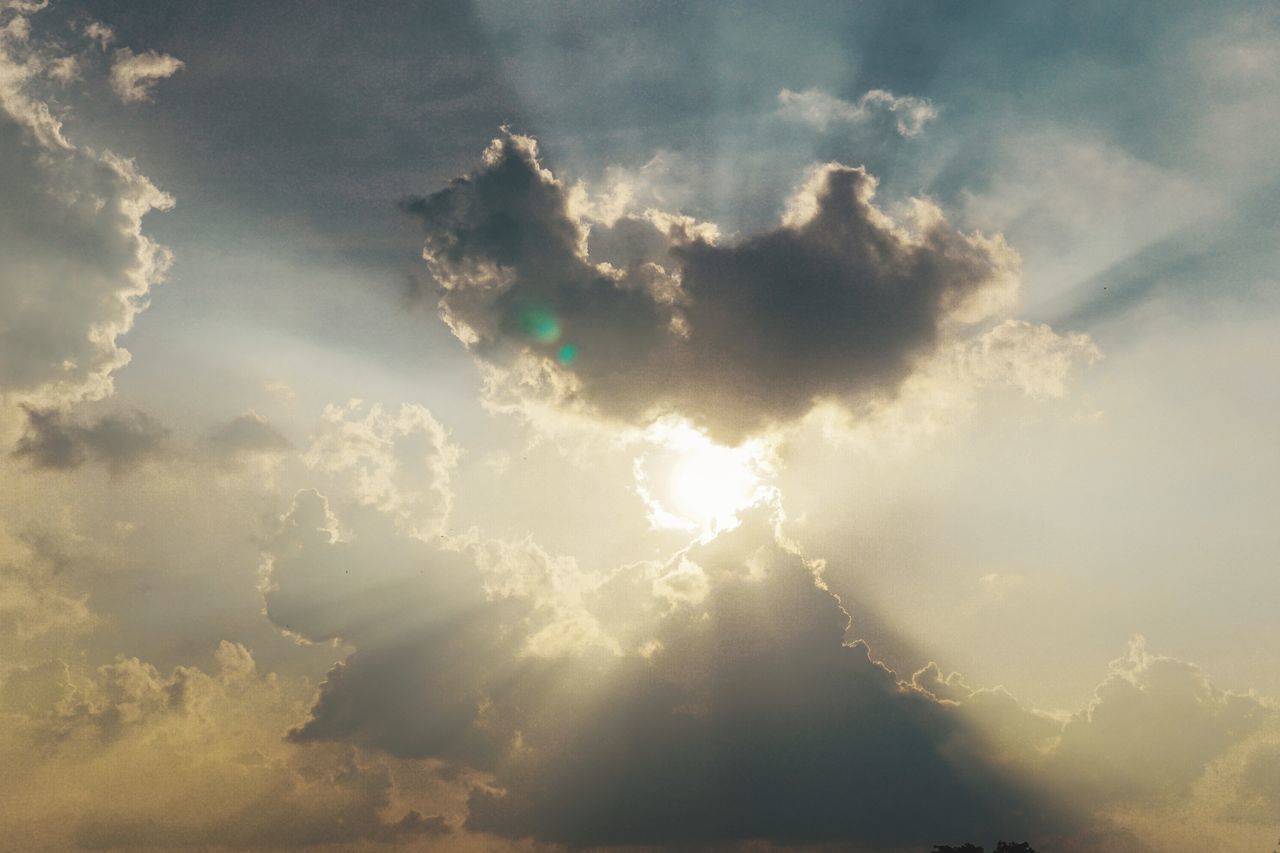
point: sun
(712, 484)
(690, 482)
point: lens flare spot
(567, 354)
(540, 324)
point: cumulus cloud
(840, 301)
(134, 75)
(821, 110)
(119, 441)
(77, 266)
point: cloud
(134, 75)
(1172, 759)
(399, 461)
(132, 757)
(24, 7)
(419, 618)
(1153, 727)
(77, 266)
(454, 625)
(751, 718)
(120, 441)
(1259, 782)
(1027, 357)
(727, 706)
(838, 302)
(821, 110)
(248, 434)
(713, 698)
(35, 600)
(98, 32)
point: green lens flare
(567, 354)
(541, 325)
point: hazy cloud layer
(840, 301)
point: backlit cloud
(77, 267)
(839, 302)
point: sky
(486, 426)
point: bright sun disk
(692, 483)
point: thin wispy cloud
(822, 110)
(134, 75)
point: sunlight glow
(692, 483)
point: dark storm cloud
(120, 440)
(838, 302)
